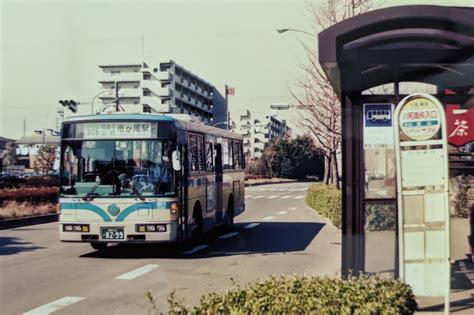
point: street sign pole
(422, 190)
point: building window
(146, 76)
(146, 93)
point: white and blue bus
(140, 178)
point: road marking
(228, 235)
(268, 218)
(54, 306)
(258, 197)
(195, 249)
(273, 197)
(251, 225)
(282, 212)
(286, 197)
(137, 272)
(248, 196)
(292, 209)
(299, 197)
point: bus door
(182, 192)
(218, 167)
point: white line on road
(195, 249)
(54, 306)
(248, 196)
(228, 235)
(299, 197)
(292, 209)
(285, 197)
(273, 197)
(137, 272)
(268, 218)
(282, 212)
(258, 197)
(251, 225)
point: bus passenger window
(237, 154)
(209, 157)
(196, 154)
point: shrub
(326, 200)
(308, 295)
(13, 209)
(33, 195)
(380, 217)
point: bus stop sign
(422, 190)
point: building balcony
(155, 103)
(122, 77)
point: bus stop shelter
(425, 44)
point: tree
(319, 107)
(44, 161)
(292, 158)
(9, 155)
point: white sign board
(422, 189)
(121, 130)
(15, 169)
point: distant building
(258, 131)
(167, 88)
(27, 149)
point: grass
(13, 209)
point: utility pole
(116, 97)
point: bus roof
(180, 124)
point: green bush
(326, 200)
(380, 217)
(308, 295)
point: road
(278, 234)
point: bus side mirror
(176, 160)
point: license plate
(112, 233)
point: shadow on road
(267, 238)
(14, 245)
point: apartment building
(258, 131)
(166, 88)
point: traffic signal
(71, 104)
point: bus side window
(209, 157)
(237, 154)
(196, 154)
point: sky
(50, 50)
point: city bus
(144, 178)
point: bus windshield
(96, 168)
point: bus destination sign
(420, 119)
(120, 130)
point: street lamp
(283, 30)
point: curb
(271, 183)
(14, 223)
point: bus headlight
(76, 228)
(150, 228)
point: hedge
(326, 200)
(308, 295)
(33, 195)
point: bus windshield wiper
(88, 196)
(137, 192)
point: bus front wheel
(98, 246)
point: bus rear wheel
(98, 246)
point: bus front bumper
(136, 232)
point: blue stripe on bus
(126, 212)
(87, 207)
(136, 207)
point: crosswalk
(274, 197)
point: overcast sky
(50, 49)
